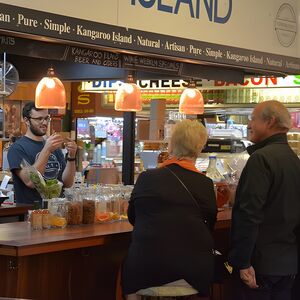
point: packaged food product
(48, 189)
(57, 209)
(103, 217)
(36, 219)
(59, 222)
(74, 212)
(88, 211)
(46, 217)
(101, 214)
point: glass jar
(74, 212)
(115, 201)
(88, 206)
(126, 194)
(73, 206)
(57, 209)
(88, 211)
(101, 214)
(46, 219)
(36, 219)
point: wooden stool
(166, 292)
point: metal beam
(128, 148)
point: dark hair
(28, 107)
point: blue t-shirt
(28, 149)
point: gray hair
(188, 139)
(275, 109)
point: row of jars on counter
(84, 205)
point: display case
(101, 138)
(294, 141)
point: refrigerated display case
(102, 138)
(230, 166)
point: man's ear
(271, 122)
(26, 120)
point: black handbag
(222, 269)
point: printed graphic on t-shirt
(53, 167)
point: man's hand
(71, 147)
(248, 277)
(53, 142)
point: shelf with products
(250, 95)
(242, 108)
(101, 140)
(294, 140)
(149, 152)
(253, 90)
(137, 163)
(154, 145)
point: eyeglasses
(41, 119)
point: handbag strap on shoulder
(191, 195)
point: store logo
(286, 25)
(211, 7)
(53, 167)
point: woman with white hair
(173, 211)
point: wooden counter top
(18, 210)
(79, 262)
(18, 239)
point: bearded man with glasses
(43, 153)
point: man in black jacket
(267, 210)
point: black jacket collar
(279, 138)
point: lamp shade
(128, 98)
(50, 92)
(191, 102)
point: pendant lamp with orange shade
(128, 96)
(191, 100)
(50, 92)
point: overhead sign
(113, 85)
(263, 82)
(83, 103)
(223, 22)
(197, 9)
(148, 63)
(84, 55)
(179, 84)
(216, 31)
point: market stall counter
(15, 212)
(79, 262)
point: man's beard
(36, 131)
